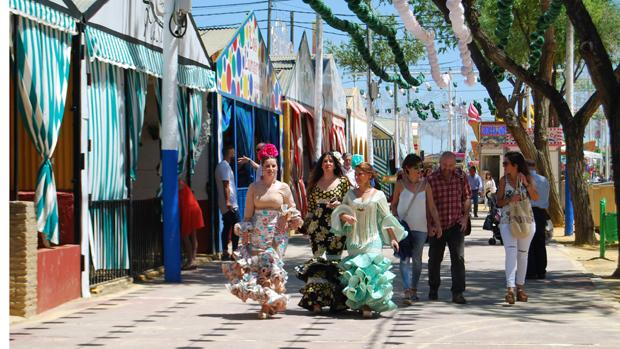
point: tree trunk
(542, 109)
(543, 112)
(584, 225)
(613, 117)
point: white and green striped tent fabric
(38, 12)
(136, 87)
(383, 151)
(106, 130)
(195, 118)
(182, 116)
(111, 49)
(196, 78)
(43, 60)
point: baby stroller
(491, 222)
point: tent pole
(318, 90)
(171, 234)
(130, 226)
(190, 151)
(76, 53)
(15, 188)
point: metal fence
(145, 236)
(126, 229)
(109, 240)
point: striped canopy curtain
(43, 58)
(158, 98)
(182, 116)
(106, 130)
(135, 95)
(195, 119)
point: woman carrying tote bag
(517, 222)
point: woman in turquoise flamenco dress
(365, 219)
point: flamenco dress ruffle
(367, 280)
(258, 274)
(322, 288)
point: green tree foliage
(348, 56)
(605, 14)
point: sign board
(497, 133)
(245, 73)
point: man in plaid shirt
(452, 196)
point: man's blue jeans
(474, 198)
(411, 267)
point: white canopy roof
(135, 22)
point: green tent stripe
(195, 77)
(382, 154)
(135, 93)
(39, 13)
(182, 116)
(195, 116)
(110, 247)
(110, 49)
(106, 130)
(43, 57)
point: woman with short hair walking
(412, 203)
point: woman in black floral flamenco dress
(327, 187)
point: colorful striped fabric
(106, 130)
(111, 49)
(39, 13)
(43, 59)
(135, 92)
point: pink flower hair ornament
(268, 151)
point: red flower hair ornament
(268, 151)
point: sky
(225, 13)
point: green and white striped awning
(111, 49)
(195, 77)
(40, 13)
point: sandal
(414, 295)
(521, 295)
(189, 267)
(366, 312)
(407, 297)
(510, 296)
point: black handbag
(488, 223)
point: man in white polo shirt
(227, 200)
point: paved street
(565, 311)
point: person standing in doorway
(489, 188)
(347, 168)
(191, 220)
(227, 200)
(537, 256)
(452, 196)
(475, 183)
(258, 168)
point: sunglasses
(505, 163)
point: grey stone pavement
(565, 311)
